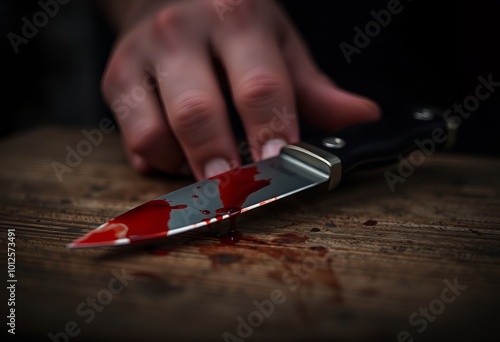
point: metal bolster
(317, 158)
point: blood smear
(147, 221)
(234, 188)
(151, 219)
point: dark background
(431, 53)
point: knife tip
(71, 245)
(83, 244)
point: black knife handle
(421, 133)
(383, 142)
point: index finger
(261, 89)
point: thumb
(325, 106)
(321, 103)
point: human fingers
(259, 81)
(131, 94)
(193, 101)
(321, 102)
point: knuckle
(240, 15)
(167, 23)
(259, 90)
(192, 113)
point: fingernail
(216, 166)
(272, 148)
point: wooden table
(359, 263)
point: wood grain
(352, 265)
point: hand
(166, 95)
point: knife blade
(320, 162)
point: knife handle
(377, 144)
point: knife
(321, 162)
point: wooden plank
(353, 264)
